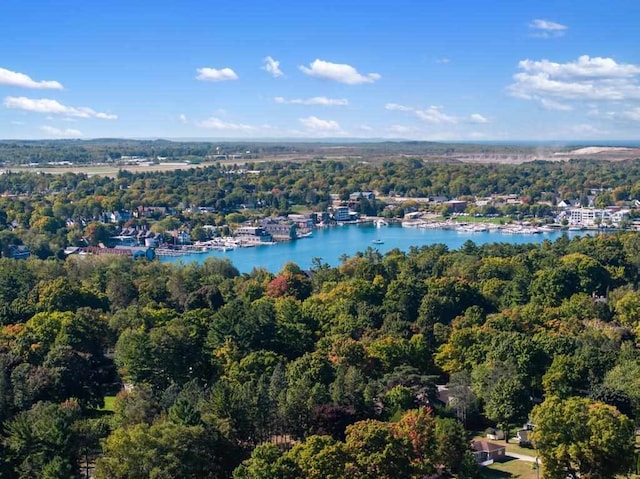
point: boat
(380, 222)
(377, 241)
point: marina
(331, 244)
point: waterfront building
(253, 234)
(343, 213)
(596, 216)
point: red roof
(486, 446)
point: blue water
(330, 244)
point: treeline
(312, 181)
(324, 373)
(15, 152)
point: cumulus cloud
(58, 133)
(272, 66)
(214, 123)
(588, 78)
(339, 72)
(547, 29)
(8, 77)
(397, 107)
(316, 124)
(583, 68)
(182, 118)
(434, 115)
(316, 100)
(215, 75)
(45, 105)
(478, 118)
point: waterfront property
(330, 244)
(253, 234)
(591, 217)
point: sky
(459, 70)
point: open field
(107, 170)
(510, 469)
(109, 403)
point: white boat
(380, 222)
(377, 241)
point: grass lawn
(300, 209)
(108, 403)
(511, 468)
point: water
(330, 244)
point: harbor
(330, 244)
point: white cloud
(44, 105)
(632, 114)
(18, 123)
(272, 66)
(339, 72)
(554, 105)
(443, 60)
(212, 74)
(182, 118)
(584, 67)
(365, 128)
(546, 29)
(214, 123)
(434, 115)
(397, 107)
(7, 77)
(591, 79)
(315, 124)
(478, 118)
(58, 133)
(316, 100)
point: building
(280, 229)
(253, 234)
(367, 195)
(343, 213)
(19, 251)
(596, 216)
(486, 452)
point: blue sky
(457, 70)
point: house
(19, 251)
(456, 206)
(486, 452)
(569, 204)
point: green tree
(508, 403)
(164, 450)
(578, 438)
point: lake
(331, 243)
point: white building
(596, 216)
(343, 213)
